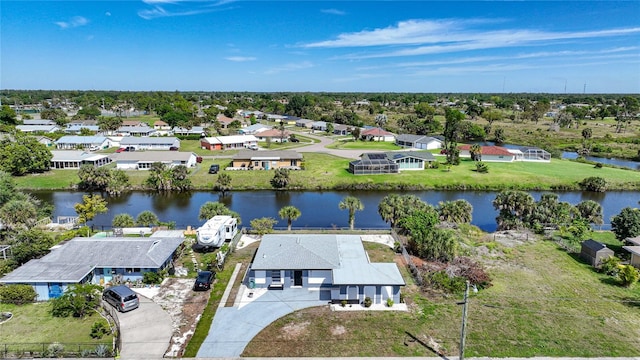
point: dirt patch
(185, 307)
(513, 238)
(294, 330)
(338, 330)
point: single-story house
(131, 130)
(289, 120)
(45, 141)
(377, 134)
(224, 120)
(150, 143)
(594, 252)
(304, 123)
(256, 113)
(276, 117)
(77, 128)
(161, 125)
(635, 255)
(254, 129)
(341, 129)
(391, 162)
(229, 142)
(38, 122)
(134, 123)
(489, 153)
(73, 159)
(373, 163)
(336, 266)
(76, 142)
(266, 160)
(196, 130)
(275, 135)
(634, 241)
(418, 142)
(319, 125)
(96, 261)
(142, 160)
(38, 128)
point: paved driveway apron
(234, 327)
(146, 331)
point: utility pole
(463, 332)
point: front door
(297, 278)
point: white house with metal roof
(419, 142)
(150, 142)
(38, 128)
(76, 142)
(74, 159)
(337, 266)
(142, 160)
(96, 261)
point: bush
(151, 277)
(628, 275)
(482, 167)
(99, 329)
(594, 183)
(610, 266)
(343, 303)
(367, 302)
(441, 281)
(389, 302)
(17, 294)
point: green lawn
(543, 302)
(348, 143)
(33, 324)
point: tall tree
(8, 116)
(626, 224)
(290, 213)
(213, 208)
(453, 118)
(590, 211)
(352, 204)
(123, 221)
(223, 183)
(458, 211)
(24, 155)
(514, 209)
(147, 218)
(90, 207)
(280, 179)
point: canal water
(319, 209)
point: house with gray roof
(418, 142)
(142, 160)
(44, 129)
(100, 261)
(139, 130)
(74, 159)
(77, 142)
(150, 142)
(336, 266)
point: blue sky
(360, 46)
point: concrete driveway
(145, 332)
(234, 327)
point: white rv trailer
(216, 231)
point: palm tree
(388, 207)
(211, 209)
(352, 204)
(290, 213)
(223, 183)
(147, 218)
(476, 152)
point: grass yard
(35, 323)
(323, 171)
(543, 302)
(349, 144)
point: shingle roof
(375, 132)
(489, 150)
(343, 254)
(593, 245)
(71, 261)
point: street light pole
(463, 332)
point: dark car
(213, 169)
(130, 148)
(204, 280)
(199, 159)
(174, 148)
(294, 140)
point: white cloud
(423, 37)
(107, 14)
(240, 58)
(333, 12)
(169, 8)
(290, 67)
(75, 21)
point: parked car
(174, 148)
(213, 169)
(199, 159)
(204, 280)
(253, 147)
(121, 297)
(294, 140)
(130, 148)
(120, 150)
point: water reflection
(319, 209)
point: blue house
(97, 261)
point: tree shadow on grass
(632, 302)
(413, 339)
